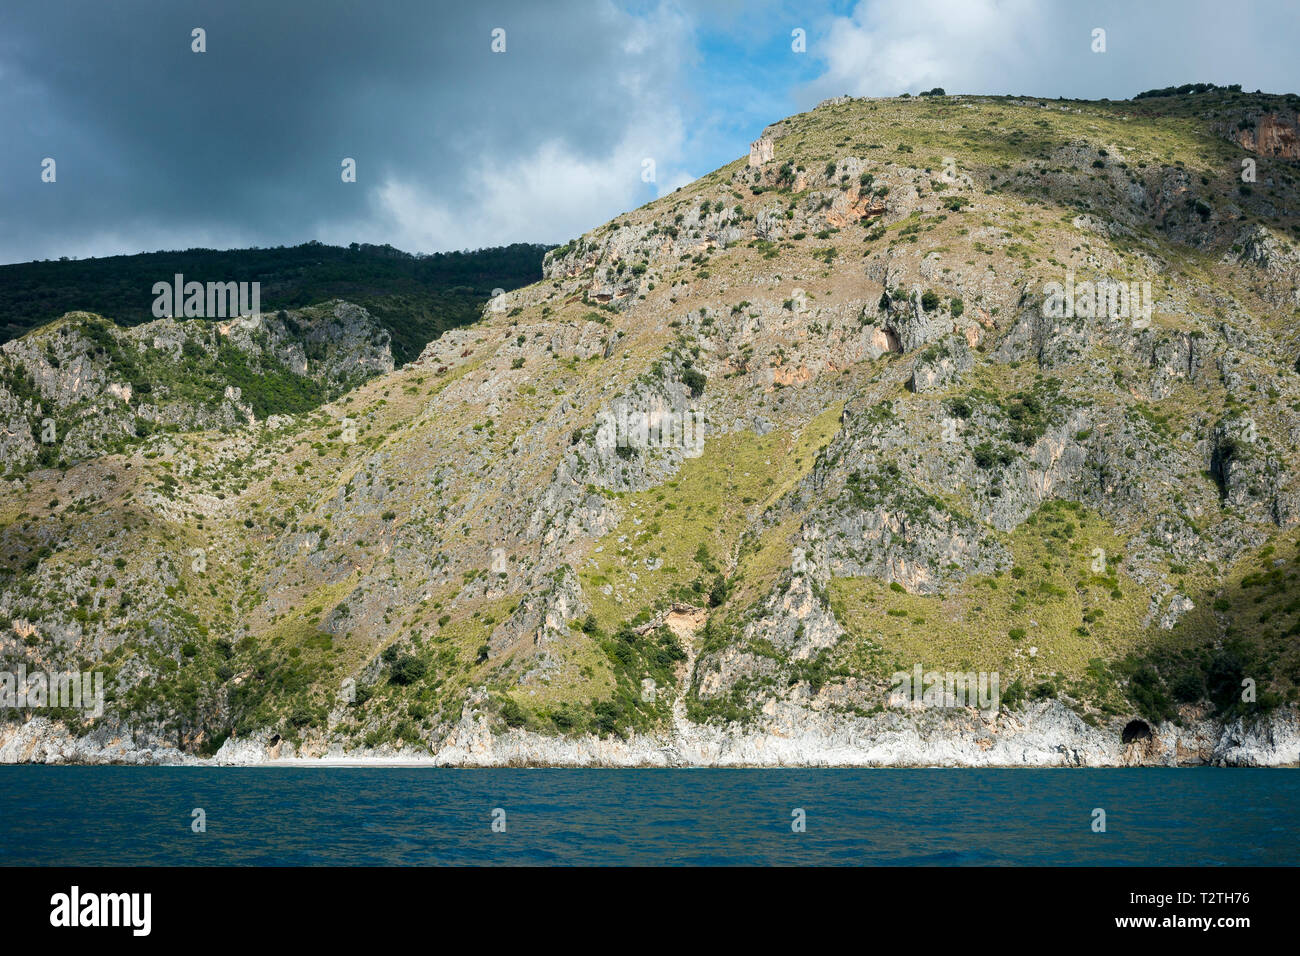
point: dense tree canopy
(416, 297)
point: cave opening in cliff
(1136, 730)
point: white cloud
(562, 188)
(552, 195)
(883, 49)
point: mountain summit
(1005, 388)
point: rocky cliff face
(1041, 735)
(1268, 134)
(977, 385)
(82, 387)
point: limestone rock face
(942, 364)
(1274, 133)
(59, 384)
(1044, 735)
(761, 151)
(1277, 260)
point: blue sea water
(76, 816)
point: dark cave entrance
(1136, 730)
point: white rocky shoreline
(1043, 735)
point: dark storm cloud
(244, 142)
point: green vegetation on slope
(415, 297)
